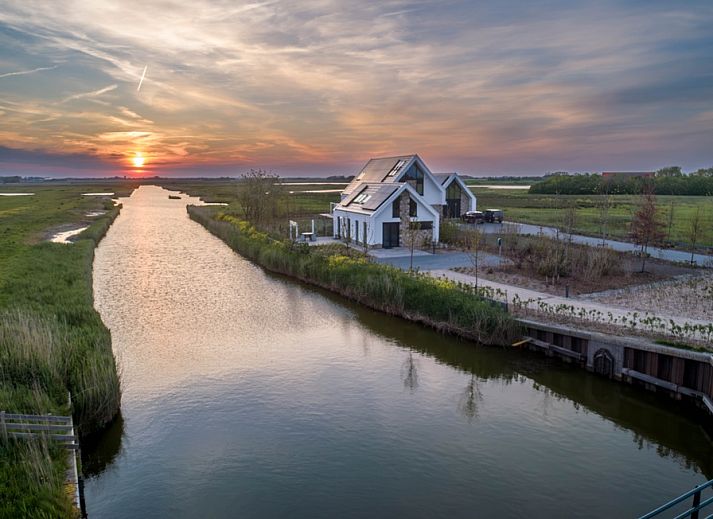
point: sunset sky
(316, 87)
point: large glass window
(395, 208)
(414, 176)
(453, 191)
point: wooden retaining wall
(678, 372)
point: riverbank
(440, 304)
(52, 341)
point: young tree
(346, 233)
(604, 206)
(412, 236)
(694, 231)
(473, 242)
(670, 221)
(646, 228)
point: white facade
(388, 197)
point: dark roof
(378, 193)
(377, 171)
(443, 177)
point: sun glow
(138, 160)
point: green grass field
(549, 210)
(51, 338)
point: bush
(592, 184)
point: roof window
(361, 199)
(399, 165)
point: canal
(249, 395)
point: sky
(317, 87)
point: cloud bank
(318, 86)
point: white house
(393, 194)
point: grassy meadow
(51, 339)
(549, 210)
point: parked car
(493, 215)
(473, 217)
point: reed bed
(52, 342)
(438, 303)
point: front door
(391, 235)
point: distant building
(392, 193)
(627, 174)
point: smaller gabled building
(392, 197)
(459, 199)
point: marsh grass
(438, 303)
(52, 341)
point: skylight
(400, 164)
(361, 199)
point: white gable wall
(374, 221)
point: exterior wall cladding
(424, 237)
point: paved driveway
(656, 252)
(440, 260)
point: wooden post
(3, 426)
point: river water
(250, 395)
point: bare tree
(646, 228)
(473, 241)
(261, 196)
(670, 221)
(694, 231)
(368, 237)
(412, 236)
(346, 233)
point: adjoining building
(393, 195)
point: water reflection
(101, 449)
(409, 373)
(248, 393)
(470, 399)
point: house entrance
(391, 235)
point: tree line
(666, 181)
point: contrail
(142, 78)
(23, 72)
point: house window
(414, 176)
(396, 208)
(364, 234)
(453, 191)
(425, 226)
(412, 207)
(356, 232)
(453, 198)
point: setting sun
(138, 160)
